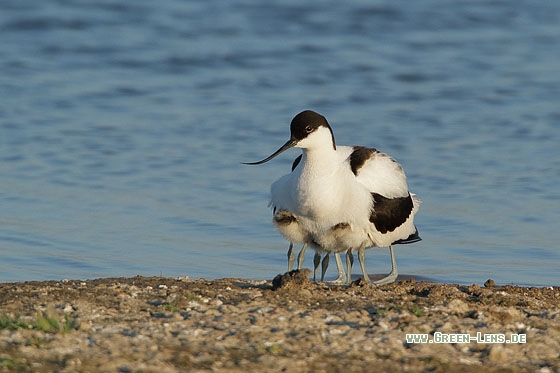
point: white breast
(325, 197)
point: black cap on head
(302, 125)
(307, 122)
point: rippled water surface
(123, 125)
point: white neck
(320, 164)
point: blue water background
(123, 125)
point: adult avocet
(346, 198)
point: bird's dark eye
(308, 129)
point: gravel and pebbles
(162, 325)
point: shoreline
(169, 325)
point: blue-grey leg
(325, 265)
(340, 268)
(349, 263)
(391, 277)
(301, 256)
(362, 260)
(316, 262)
(291, 256)
(341, 275)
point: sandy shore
(173, 325)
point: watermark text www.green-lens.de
(465, 338)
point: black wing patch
(296, 162)
(390, 213)
(359, 157)
(414, 237)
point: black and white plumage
(343, 198)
